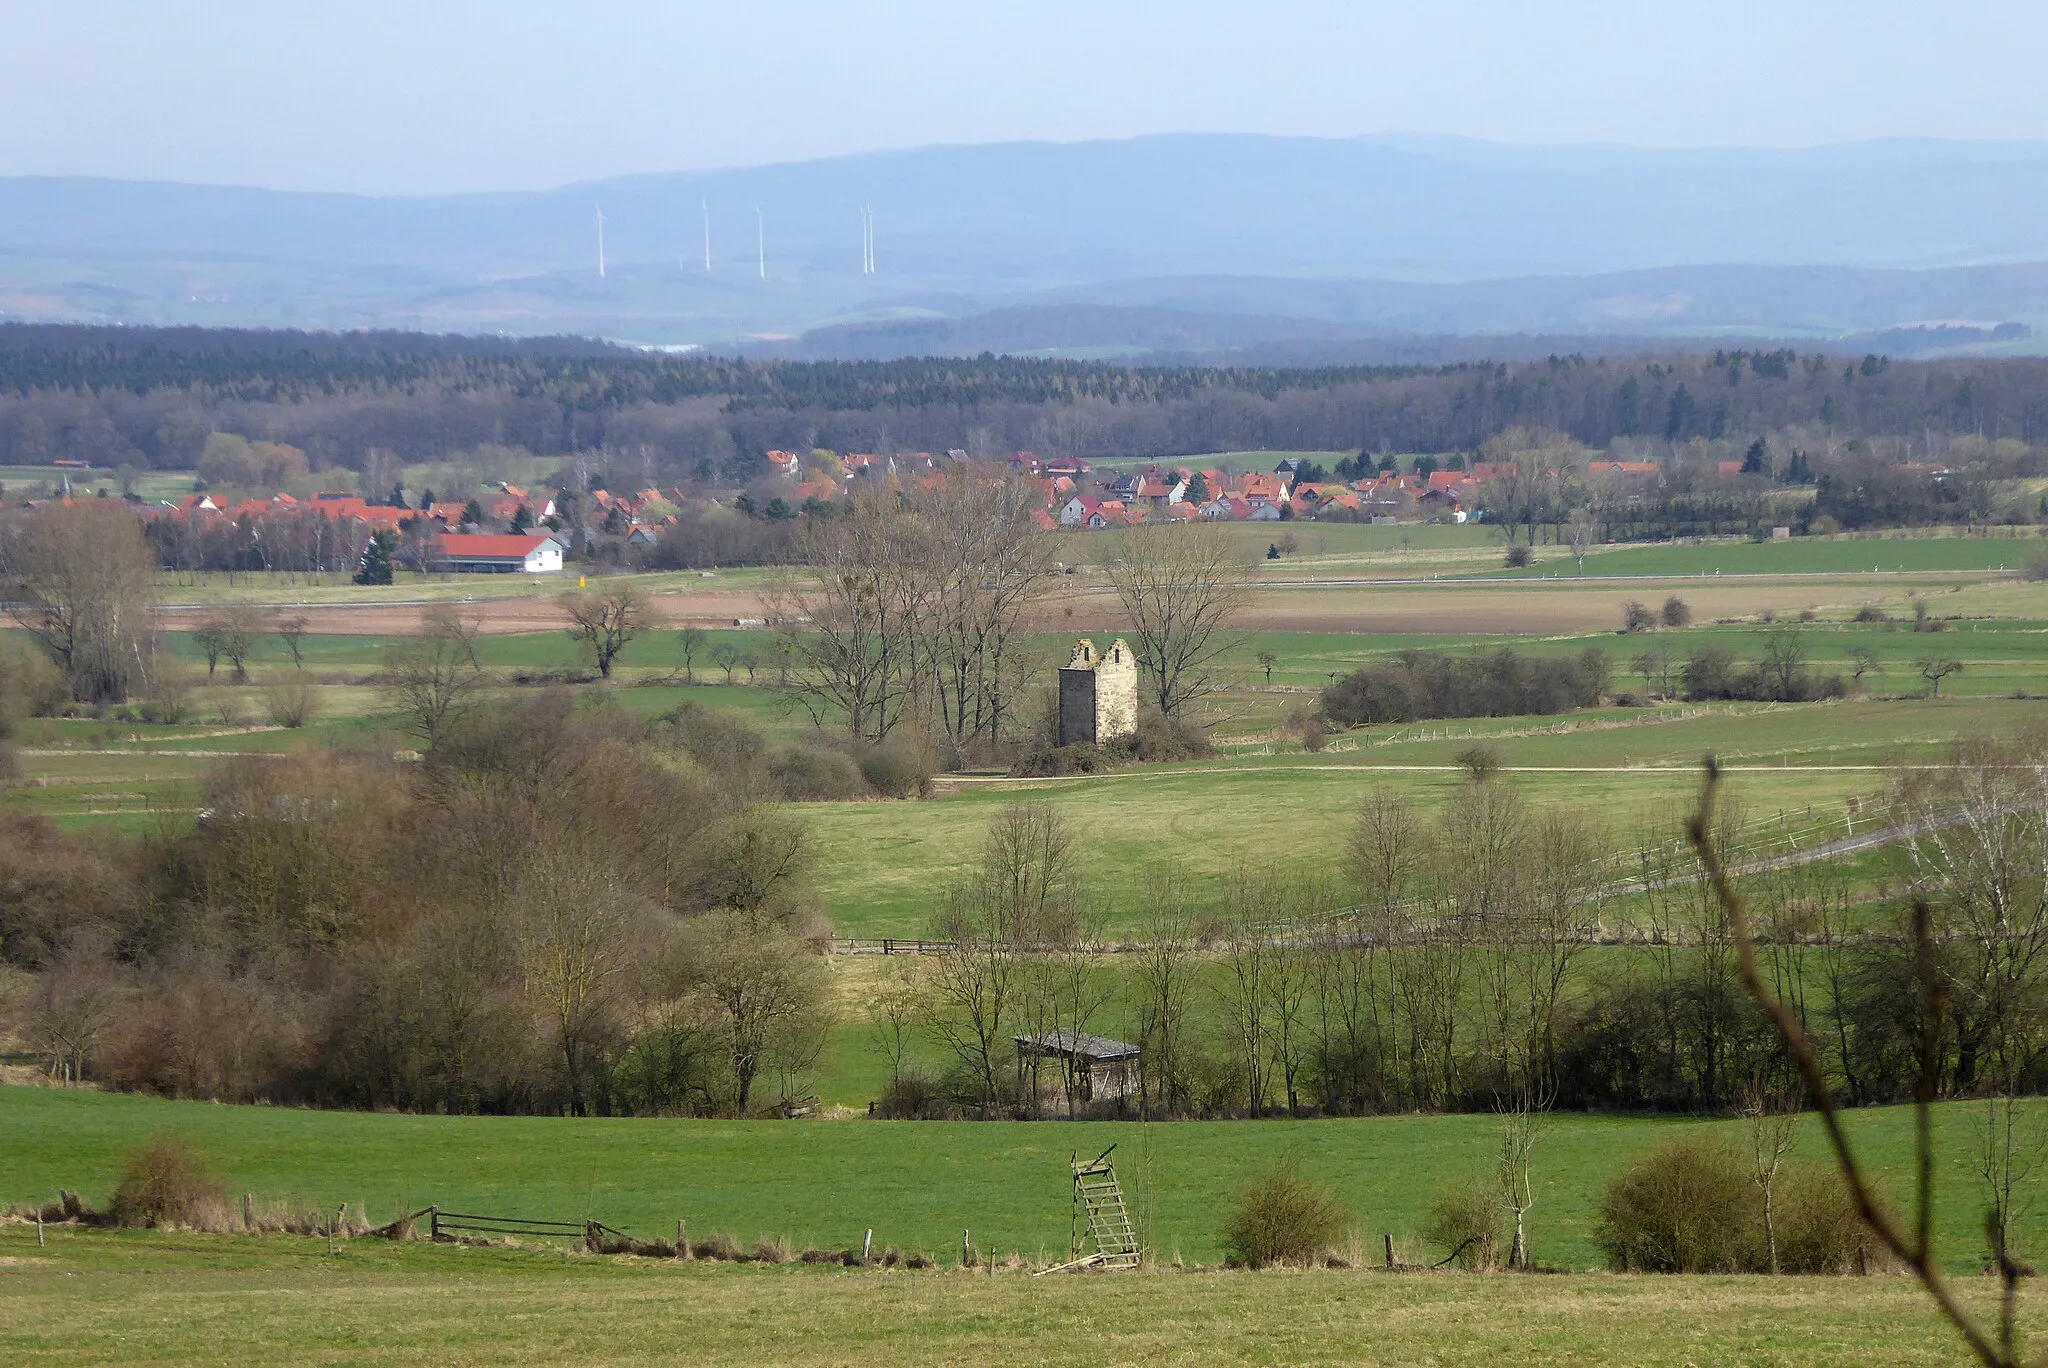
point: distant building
(534, 553)
(1098, 695)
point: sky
(442, 96)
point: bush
(1282, 1218)
(292, 702)
(1677, 612)
(1818, 1228)
(165, 1182)
(1314, 735)
(1870, 612)
(1465, 1222)
(1519, 558)
(901, 765)
(1481, 762)
(1503, 683)
(30, 686)
(1637, 617)
(815, 774)
(1162, 738)
(1687, 1207)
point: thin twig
(1699, 829)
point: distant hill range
(1217, 246)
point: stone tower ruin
(1099, 694)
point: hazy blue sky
(437, 95)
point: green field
(151, 485)
(915, 1184)
(1836, 555)
(94, 1298)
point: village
(507, 528)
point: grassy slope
(91, 1298)
(916, 1184)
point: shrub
(1687, 1207)
(1465, 1223)
(1637, 617)
(165, 1182)
(1161, 738)
(1519, 558)
(30, 686)
(292, 702)
(1282, 1218)
(1676, 612)
(775, 1251)
(1818, 1228)
(1314, 735)
(811, 774)
(1481, 762)
(899, 766)
(1419, 684)
(1870, 612)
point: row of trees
(913, 609)
(1493, 955)
(152, 399)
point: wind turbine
(761, 240)
(707, 237)
(867, 239)
(600, 242)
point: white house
(534, 553)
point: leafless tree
(1181, 588)
(1773, 1126)
(1023, 894)
(292, 632)
(1936, 666)
(1579, 530)
(431, 679)
(605, 623)
(1163, 978)
(692, 640)
(765, 990)
(83, 584)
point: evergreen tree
(1198, 489)
(1387, 466)
(522, 518)
(376, 566)
(1798, 472)
(473, 513)
(1678, 418)
(398, 496)
(1425, 466)
(1757, 460)
(426, 498)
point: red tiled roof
(459, 547)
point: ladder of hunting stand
(1097, 1192)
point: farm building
(1096, 1069)
(533, 553)
(1098, 694)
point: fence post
(433, 1223)
(1390, 1248)
(966, 1249)
(682, 1240)
(866, 1245)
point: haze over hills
(1194, 243)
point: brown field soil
(1529, 607)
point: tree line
(152, 397)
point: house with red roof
(532, 553)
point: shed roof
(1078, 1043)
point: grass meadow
(93, 1298)
(916, 1184)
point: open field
(91, 1298)
(150, 484)
(915, 1183)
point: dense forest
(149, 398)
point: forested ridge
(149, 397)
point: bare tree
(1522, 1108)
(764, 988)
(1162, 983)
(83, 584)
(237, 628)
(1773, 1126)
(1936, 666)
(692, 640)
(846, 619)
(292, 632)
(604, 624)
(1180, 588)
(1024, 894)
(431, 679)
(1578, 532)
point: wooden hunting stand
(1097, 1193)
